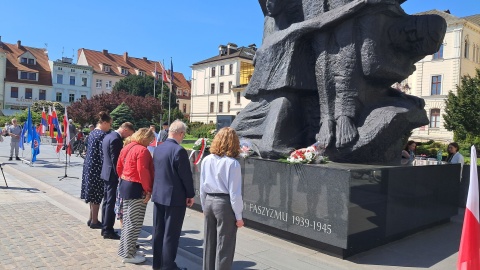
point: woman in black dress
(92, 184)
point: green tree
(22, 117)
(121, 114)
(174, 115)
(136, 85)
(462, 111)
(37, 106)
(165, 99)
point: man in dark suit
(112, 144)
(172, 193)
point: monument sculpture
(324, 74)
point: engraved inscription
(284, 216)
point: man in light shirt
(14, 130)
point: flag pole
(155, 80)
(161, 93)
(170, 94)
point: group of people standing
(120, 170)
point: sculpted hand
(240, 223)
(190, 202)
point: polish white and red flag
(50, 122)
(165, 76)
(469, 252)
(68, 146)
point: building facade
(438, 74)
(27, 77)
(3, 69)
(109, 68)
(182, 90)
(70, 82)
(218, 83)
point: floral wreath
(200, 146)
(311, 154)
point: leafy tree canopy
(121, 114)
(136, 85)
(85, 111)
(462, 111)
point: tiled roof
(96, 58)
(13, 51)
(473, 19)
(182, 84)
(242, 52)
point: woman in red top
(135, 168)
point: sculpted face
(275, 7)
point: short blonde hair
(226, 143)
(143, 136)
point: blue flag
(26, 130)
(35, 144)
(22, 137)
(171, 70)
(29, 126)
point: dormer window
(124, 71)
(28, 76)
(141, 73)
(106, 68)
(27, 61)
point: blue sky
(186, 30)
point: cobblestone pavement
(37, 234)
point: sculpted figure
(349, 52)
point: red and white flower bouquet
(311, 154)
(245, 148)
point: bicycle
(80, 148)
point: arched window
(435, 118)
(465, 53)
(474, 49)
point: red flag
(56, 124)
(50, 122)
(66, 133)
(44, 122)
(165, 77)
(469, 253)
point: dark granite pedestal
(344, 209)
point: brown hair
(226, 143)
(408, 144)
(104, 117)
(143, 136)
(128, 125)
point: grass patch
(188, 146)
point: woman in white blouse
(221, 197)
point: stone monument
(324, 74)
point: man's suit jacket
(112, 144)
(173, 182)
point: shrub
(200, 130)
